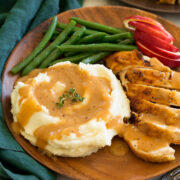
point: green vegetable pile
(88, 44)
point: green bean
(55, 35)
(95, 57)
(73, 59)
(59, 40)
(126, 41)
(38, 48)
(97, 26)
(96, 47)
(115, 37)
(55, 32)
(107, 38)
(56, 53)
(69, 54)
(76, 36)
(91, 38)
(87, 32)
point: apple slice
(143, 19)
(155, 41)
(163, 52)
(152, 30)
(172, 63)
(146, 21)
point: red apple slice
(163, 52)
(147, 21)
(151, 29)
(147, 38)
(143, 19)
(172, 63)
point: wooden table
(175, 18)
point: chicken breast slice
(120, 60)
(154, 94)
(152, 126)
(169, 116)
(123, 59)
(146, 147)
(152, 77)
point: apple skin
(150, 29)
(132, 21)
(163, 52)
(172, 63)
(154, 41)
(144, 19)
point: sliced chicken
(146, 147)
(154, 63)
(153, 126)
(123, 59)
(119, 60)
(169, 116)
(154, 93)
(152, 77)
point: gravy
(95, 90)
(118, 147)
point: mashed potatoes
(77, 128)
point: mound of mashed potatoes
(77, 128)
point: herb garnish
(70, 94)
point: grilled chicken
(151, 77)
(149, 148)
(125, 59)
(154, 93)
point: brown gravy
(144, 142)
(96, 104)
(118, 147)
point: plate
(153, 6)
(103, 164)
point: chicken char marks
(154, 93)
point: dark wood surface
(100, 165)
(153, 6)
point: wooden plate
(100, 165)
(153, 6)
